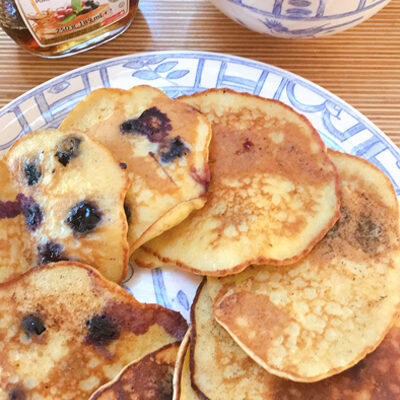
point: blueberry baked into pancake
(162, 143)
(65, 331)
(71, 193)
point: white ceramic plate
(179, 72)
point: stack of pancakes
(298, 246)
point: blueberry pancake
(221, 370)
(149, 378)
(65, 331)
(322, 315)
(162, 143)
(14, 236)
(71, 192)
(273, 193)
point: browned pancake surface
(71, 191)
(164, 190)
(65, 331)
(273, 191)
(149, 378)
(313, 319)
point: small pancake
(182, 384)
(273, 193)
(222, 370)
(149, 378)
(164, 145)
(71, 192)
(318, 317)
(65, 331)
(14, 237)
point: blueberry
(9, 209)
(102, 330)
(32, 173)
(50, 252)
(32, 212)
(123, 165)
(68, 149)
(32, 324)
(175, 149)
(16, 394)
(83, 217)
(151, 123)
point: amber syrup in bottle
(59, 28)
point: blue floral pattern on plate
(177, 73)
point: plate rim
(217, 55)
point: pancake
(164, 145)
(273, 193)
(71, 192)
(223, 371)
(149, 378)
(65, 331)
(182, 384)
(14, 237)
(319, 317)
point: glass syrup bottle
(59, 28)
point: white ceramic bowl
(299, 18)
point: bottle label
(53, 22)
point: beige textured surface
(93, 328)
(361, 65)
(273, 192)
(322, 315)
(161, 194)
(61, 188)
(220, 366)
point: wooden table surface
(361, 65)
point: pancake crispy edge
(149, 378)
(163, 193)
(65, 331)
(72, 192)
(312, 320)
(182, 384)
(263, 178)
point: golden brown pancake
(222, 370)
(273, 192)
(318, 317)
(65, 331)
(149, 378)
(182, 384)
(14, 237)
(164, 145)
(71, 192)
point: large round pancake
(14, 237)
(182, 383)
(273, 191)
(162, 194)
(65, 331)
(222, 370)
(316, 318)
(70, 177)
(149, 378)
